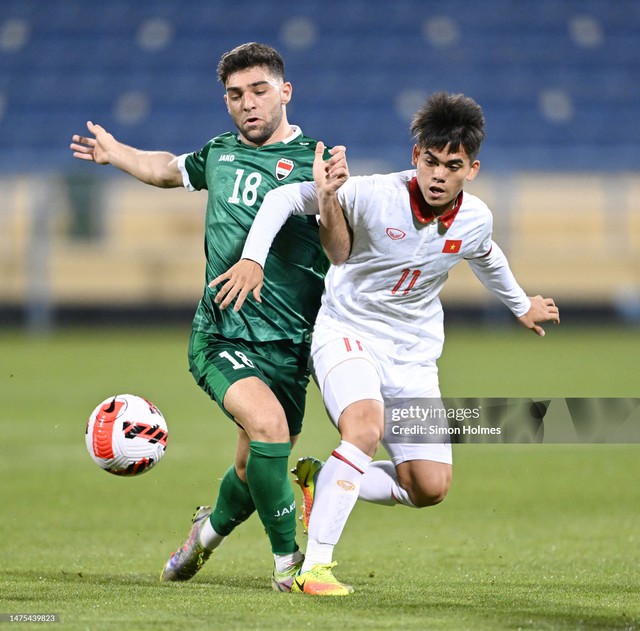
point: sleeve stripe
(186, 182)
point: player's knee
(367, 439)
(430, 495)
(427, 490)
(362, 425)
(276, 433)
(257, 410)
(268, 425)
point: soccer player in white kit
(380, 331)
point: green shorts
(216, 362)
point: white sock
(208, 537)
(336, 494)
(285, 561)
(319, 552)
(380, 485)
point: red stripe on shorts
(347, 344)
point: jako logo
(285, 511)
(346, 485)
(226, 157)
(396, 233)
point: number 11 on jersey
(412, 276)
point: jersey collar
(295, 132)
(422, 211)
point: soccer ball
(126, 435)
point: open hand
(95, 149)
(541, 310)
(329, 175)
(243, 277)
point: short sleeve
(192, 167)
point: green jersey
(237, 177)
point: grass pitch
(530, 536)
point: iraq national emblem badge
(283, 168)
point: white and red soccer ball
(126, 435)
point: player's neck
(282, 133)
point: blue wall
(559, 80)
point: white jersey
(388, 288)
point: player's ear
(475, 167)
(226, 102)
(286, 91)
(415, 155)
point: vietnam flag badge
(452, 246)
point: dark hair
(248, 56)
(449, 119)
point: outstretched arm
(158, 168)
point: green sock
(234, 504)
(268, 479)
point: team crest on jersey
(396, 233)
(284, 168)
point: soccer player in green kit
(253, 363)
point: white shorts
(348, 368)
